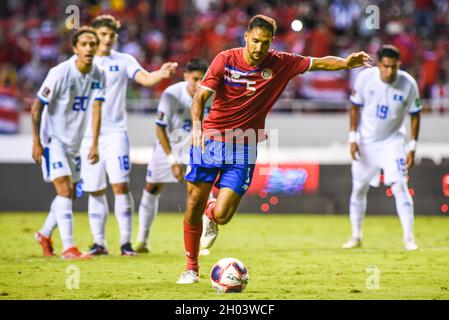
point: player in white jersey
(171, 150)
(381, 98)
(113, 142)
(71, 91)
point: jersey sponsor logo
(267, 73)
(113, 68)
(398, 97)
(46, 92)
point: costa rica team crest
(266, 73)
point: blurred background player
(381, 98)
(113, 142)
(71, 90)
(247, 82)
(171, 150)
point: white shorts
(61, 162)
(114, 161)
(388, 155)
(159, 169)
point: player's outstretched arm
(415, 122)
(36, 116)
(149, 79)
(197, 112)
(331, 63)
(96, 123)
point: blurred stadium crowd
(33, 38)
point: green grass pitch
(288, 257)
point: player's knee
(223, 215)
(195, 202)
(359, 191)
(120, 188)
(401, 192)
(98, 193)
(65, 190)
(153, 188)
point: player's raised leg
(197, 196)
(148, 209)
(218, 212)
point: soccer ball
(229, 275)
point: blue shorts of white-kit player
(59, 161)
(232, 163)
(114, 161)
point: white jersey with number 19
(384, 105)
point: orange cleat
(73, 253)
(46, 244)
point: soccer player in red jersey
(246, 82)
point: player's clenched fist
(178, 172)
(196, 137)
(38, 151)
(355, 151)
(93, 154)
(357, 59)
(168, 69)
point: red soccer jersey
(245, 94)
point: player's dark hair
(197, 64)
(82, 30)
(388, 51)
(261, 21)
(106, 20)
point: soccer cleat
(188, 277)
(352, 243)
(410, 245)
(97, 250)
(73, 253)
(127, 250)
(210, 229)
(142, 248)
(46, 244)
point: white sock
(404, 207)
(357, 208)
(62, 208)
(49, 224)
(124, 213)
(147, 213)
(98, 213)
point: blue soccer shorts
(233, 163)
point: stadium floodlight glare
(296, 25)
